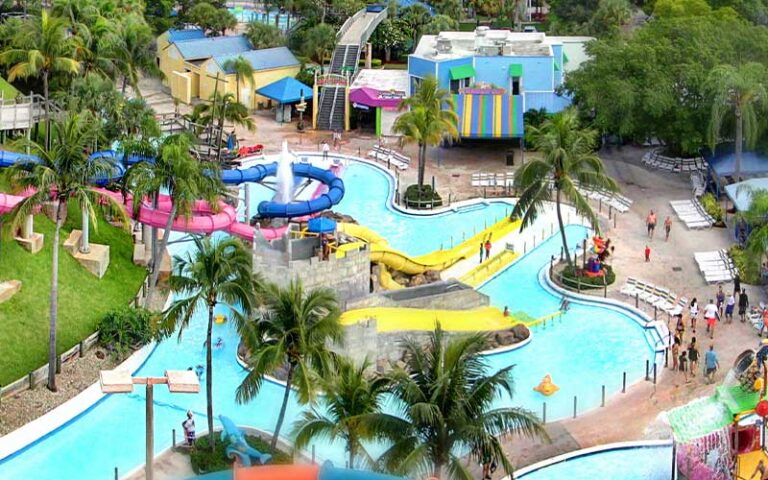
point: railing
(348, 23)
(331, 80)
(372, 24)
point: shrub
(375, 63)
(205, 461)
(422, 196)
(712, 206)
(748, 271)
(568, 278)
(125, 328)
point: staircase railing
(348, 23)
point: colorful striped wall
(489, 116)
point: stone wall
(349, 277)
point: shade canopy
(321, 225)
(741, 193)
(516, 70)
(723, 162)
(375, 98)
(286, 90)
(489, 116)
(462, 71)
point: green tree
(440, 23)
(262, 35)
(42, 47)
(431, 119)
(445, 405)
(319, 42)
(293, 329)
(217, 272)
(243, 71)
(610, 16)
(134, 51)
(569, 161)
(391, 34)
(757, 243)
(214, 20)
(737, 91)
(681, 8)
(185, 179)
(63, 174)
(416, 17)
(350, 393)
(220, 108)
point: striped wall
(489, 116)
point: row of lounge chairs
(655, 296)
(389, 157)
(716, 266)
(493, 179)
(692, 214)
(615, 200)
(698, 184)
(654, 159)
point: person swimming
(199, 371)
(219, 343)
(564, 305)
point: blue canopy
(741, 193)
(322, 225)
(723, 162)
(286, 90)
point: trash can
(510, 157)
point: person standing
(189, 429)
(711, 363)
(647, 253)
(736, 284)
(710, 317)
(743, 305)
(729, 306)
(675, 352)
(693, 357)
(694, 312)
(488, 248)
(326, 149)
(720, 296)
(650, 223)
(482, 249)
(667, 228)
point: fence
(40, 375)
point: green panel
(565, 58)
(462, 71)
(378, 121)
(516, 70)
(557, 67)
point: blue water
(246, 15)
(590, 347)
(643, 463)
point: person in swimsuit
(693, 357)
(743, 305)
(675, 353)
(729, 305)
(693, 310)
(189, 429)
(650, 222)
(667, 228)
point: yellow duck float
(546, 387)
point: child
(683, 359)
(647, 253)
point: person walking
(710, 317)
(675, 352)
(720, 296)
(326, 148)
(711, 363)
(693, 310)
(488, 247)
(743, 305)
(189, 429)
(693, 357)
(647, 253)
(650, 223)
(667, 228)
(736, 284)
(482, 249)
(729, 306)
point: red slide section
(277, 472)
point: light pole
(120, 381)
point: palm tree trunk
(739, 142)
(158, 256)
(125, 84)
(562, 229)
(47, 111)
(281, 416)
(422, 164)
(52, 358)
(351, 448)
(209, 378)
(237, 86)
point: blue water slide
(118, 170)
(8, 159)
(253, 174)
(307, 207)
(329, 472)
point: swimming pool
(246, 15)
(111, 434)
(625, 463)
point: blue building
(496, 75)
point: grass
(9, 91)
(83, 298)
(203, 461)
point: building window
(516, 85)
(457, 85)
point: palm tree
(61, 174)
(292, 329)
(133, 53)
(42, 47)
(430, 120)
(740, 91)
(262, 35)
(319, 41)
(175, 172)
(217, 272)
(569, 163)
(444, 405)
(349, 393)
(242, 69)
(756, 216)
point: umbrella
(322, 225)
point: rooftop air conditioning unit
(507, 50)
(443, 45)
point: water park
(378, 242)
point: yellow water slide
(393, 319)
(382, 253)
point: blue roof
(741, 193)
(175, 35)
(286, 90)
(213, 47)
(264, 59)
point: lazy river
(592, 345)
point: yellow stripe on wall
(497, 103)
(467, 127)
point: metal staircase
(332, 108)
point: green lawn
(8, 90)
(83, 298)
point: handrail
(348, 23)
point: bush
(125, 328)
(712, 207)
(568, 278)
(205, 461)
(748, 271)
(375, 63)
(421, 197)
